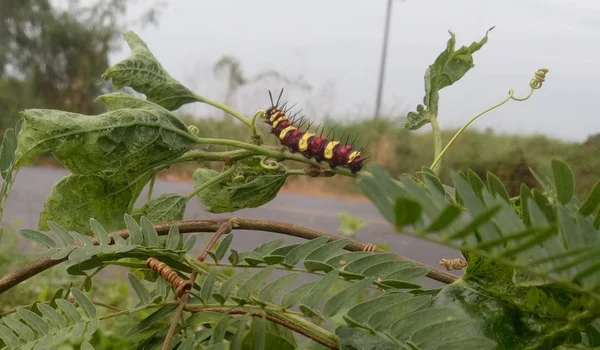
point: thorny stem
(534, 84)
(212, 181)
(192, 226)
(225, 108)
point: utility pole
(386, 35)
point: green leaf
(382, 320)
(334, 304)
(149, 232)
(8, 337)
(361, 264)
(116, 142)
(449, 67)
(564, 180)
(404, 327)
(238, 338)
(99, 232)
(385, 268)
(444, 332)
(327, 250)
(168, 207)
(35, 321)
(38, 237)
(228, 285)
(301, 251)
(52, 315)
(292, 297)
(268, 292)
(69, 310)
(408, 211)
(140, 290)
(189, 244)
(86, 346)
(7, 153)
(142, 72)
(479, 220)
(478, 343)
(135, 232)
(356, 339)
(407, 274)
(21, 329)
(77, 198)
(310, 300)
(172, 238)
(157, 316)
(220, 330)
(208, 285)
(592, 201)
(252, 284)
(84, 302)
(223, 246)
(256, 337)
(447, 217)
(63, 234)
(268, 335)
(496, 187)
(250, 186)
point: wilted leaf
(449, 67)
(77, 198)
(168, 207)
(142, 72)
(249, 187)
(120, 141)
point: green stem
(295, 172)
(256, 115)
(226, 109)
(212, 181)
(437, 141)
(510, 96)
(151, 188)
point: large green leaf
(356, 339)
(449, 67)
(117, 142)
(142, 72)
(251, 186)
(77, 198)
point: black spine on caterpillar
(310, 145)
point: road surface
(33, 185)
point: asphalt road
(33, 185)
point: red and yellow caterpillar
(310, 145)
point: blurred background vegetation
(53, 58)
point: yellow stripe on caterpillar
(353, 155)
(279, 120)
(285, 131)
(329, 149)
(303, 143)
(275, 115)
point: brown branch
(272, 318)
(188, 226)
(224, 229)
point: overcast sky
(335, 45)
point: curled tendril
(239, 179)
(269, 164)
(194, 129)
(539, 78)
(179, 284)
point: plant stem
(437, 141)
(212, 181)
(224, 229)
(438, 158)
(192, 226)
(151, 188)
(226, 109)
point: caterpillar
(309, 144)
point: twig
(188, 226)
(225, 228)
(329, 343)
